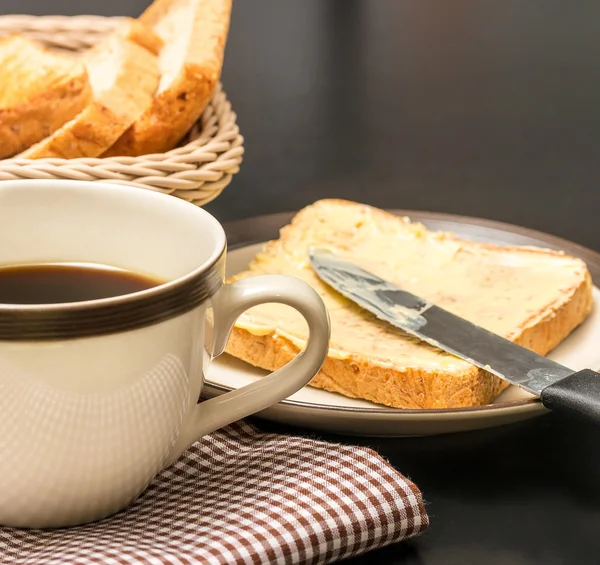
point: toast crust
(190, 66)
(359, 376)
(41, 102)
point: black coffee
(56, 283)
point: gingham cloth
(243, 496)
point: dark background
(475, 107)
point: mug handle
(229, 303)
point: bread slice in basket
(134, 30)
(534, 297)
(194, 33)
(41, 90)
(124, 77)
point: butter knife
(558, 387)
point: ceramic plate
(326, 411)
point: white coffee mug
(97, 397)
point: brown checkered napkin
(243, 496)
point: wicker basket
(196, 171)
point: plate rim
(236, 228)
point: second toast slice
(41, 90)
(194, 33)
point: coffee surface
(60, 283)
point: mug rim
(67, 320)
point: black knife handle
(578, 393)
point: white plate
(321, 410)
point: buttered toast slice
(534, 297)
(124, 77)
(194, 33)
(41, 90)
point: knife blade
(558, 387)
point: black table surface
(475, 107)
